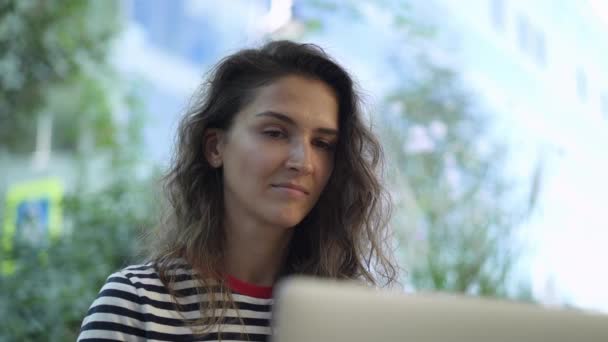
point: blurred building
(542, 67)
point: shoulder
(129, 301)
(144, 282)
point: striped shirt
(134, 305)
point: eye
(325, 145)
(274, 133)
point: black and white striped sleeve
(115, 315)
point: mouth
(291, 187)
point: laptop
(309, 309)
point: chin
(287, 224)
(284, 216)
(287, 219)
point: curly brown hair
(345, 235)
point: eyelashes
(325, 145)
(274, 133)
(277, 134)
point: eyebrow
(290, 121)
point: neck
(255, 253)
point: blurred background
(493, 114)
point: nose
(300, 158)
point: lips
(292, 187)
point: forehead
(304, 99)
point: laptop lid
(322, 310)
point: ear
(213, 146)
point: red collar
(241, 287)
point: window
(523, 33)
(604, 105)
(581, 84)
(531, 40)
(540, 48)
(497, 14)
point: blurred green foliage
(464, 212)
(54, 61)
(49, 294)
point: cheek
(328, 164)
(324, 172)
(255, 162)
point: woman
(274, 175)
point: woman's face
(279, 152)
